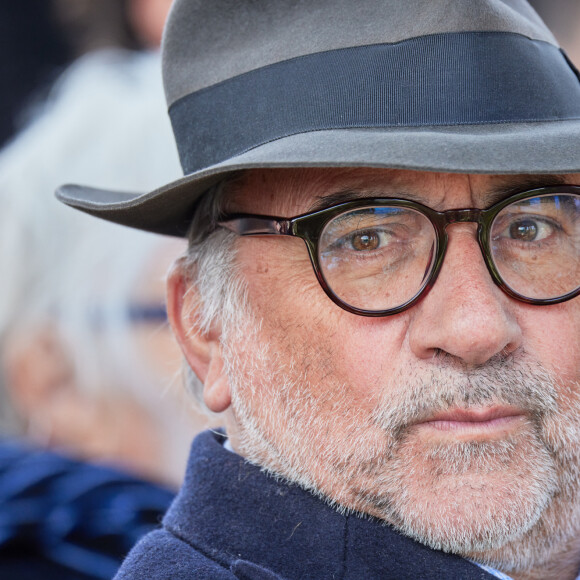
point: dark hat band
(443, 79)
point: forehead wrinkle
(512, 184)
(508, 185)
(349, 194)
(383, 183)
(291, 192)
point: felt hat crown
(469, 86)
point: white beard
(511, 503)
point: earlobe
(37, 371)
(216, 391)
(202, 350)
(39, 382)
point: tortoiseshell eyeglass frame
(309, 227)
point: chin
(503, 503)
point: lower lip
(474, 427)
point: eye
(529, 230)
(368, 240)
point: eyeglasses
(377, 257)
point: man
(399, 385)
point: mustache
(414, 395)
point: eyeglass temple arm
(250, 225)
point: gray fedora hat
(469, 86)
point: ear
(202, 350)
(38, 375)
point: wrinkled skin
(346, 405)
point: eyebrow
(510, 185)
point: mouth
(480, 422)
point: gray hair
(210, 267)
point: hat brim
(518, 148)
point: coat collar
(231, 511)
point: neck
(565, 565)
(562, 571)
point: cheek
(357, 351)
(282, 285)
(371, 350)
(551, 335)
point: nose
(465, 314)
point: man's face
(457, 420)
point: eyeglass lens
(377, 258)
(380, 257)
(535, 246)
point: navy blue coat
(230, 520)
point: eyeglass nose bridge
(462, 216)
(457, 216)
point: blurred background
(94, 424)
(95, 427)
(563, 17)
(80, 299)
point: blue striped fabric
(68, 519)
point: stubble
(511, 503)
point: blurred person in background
(86, 360)
(96, 24)
(563, 17)
(104, 119)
